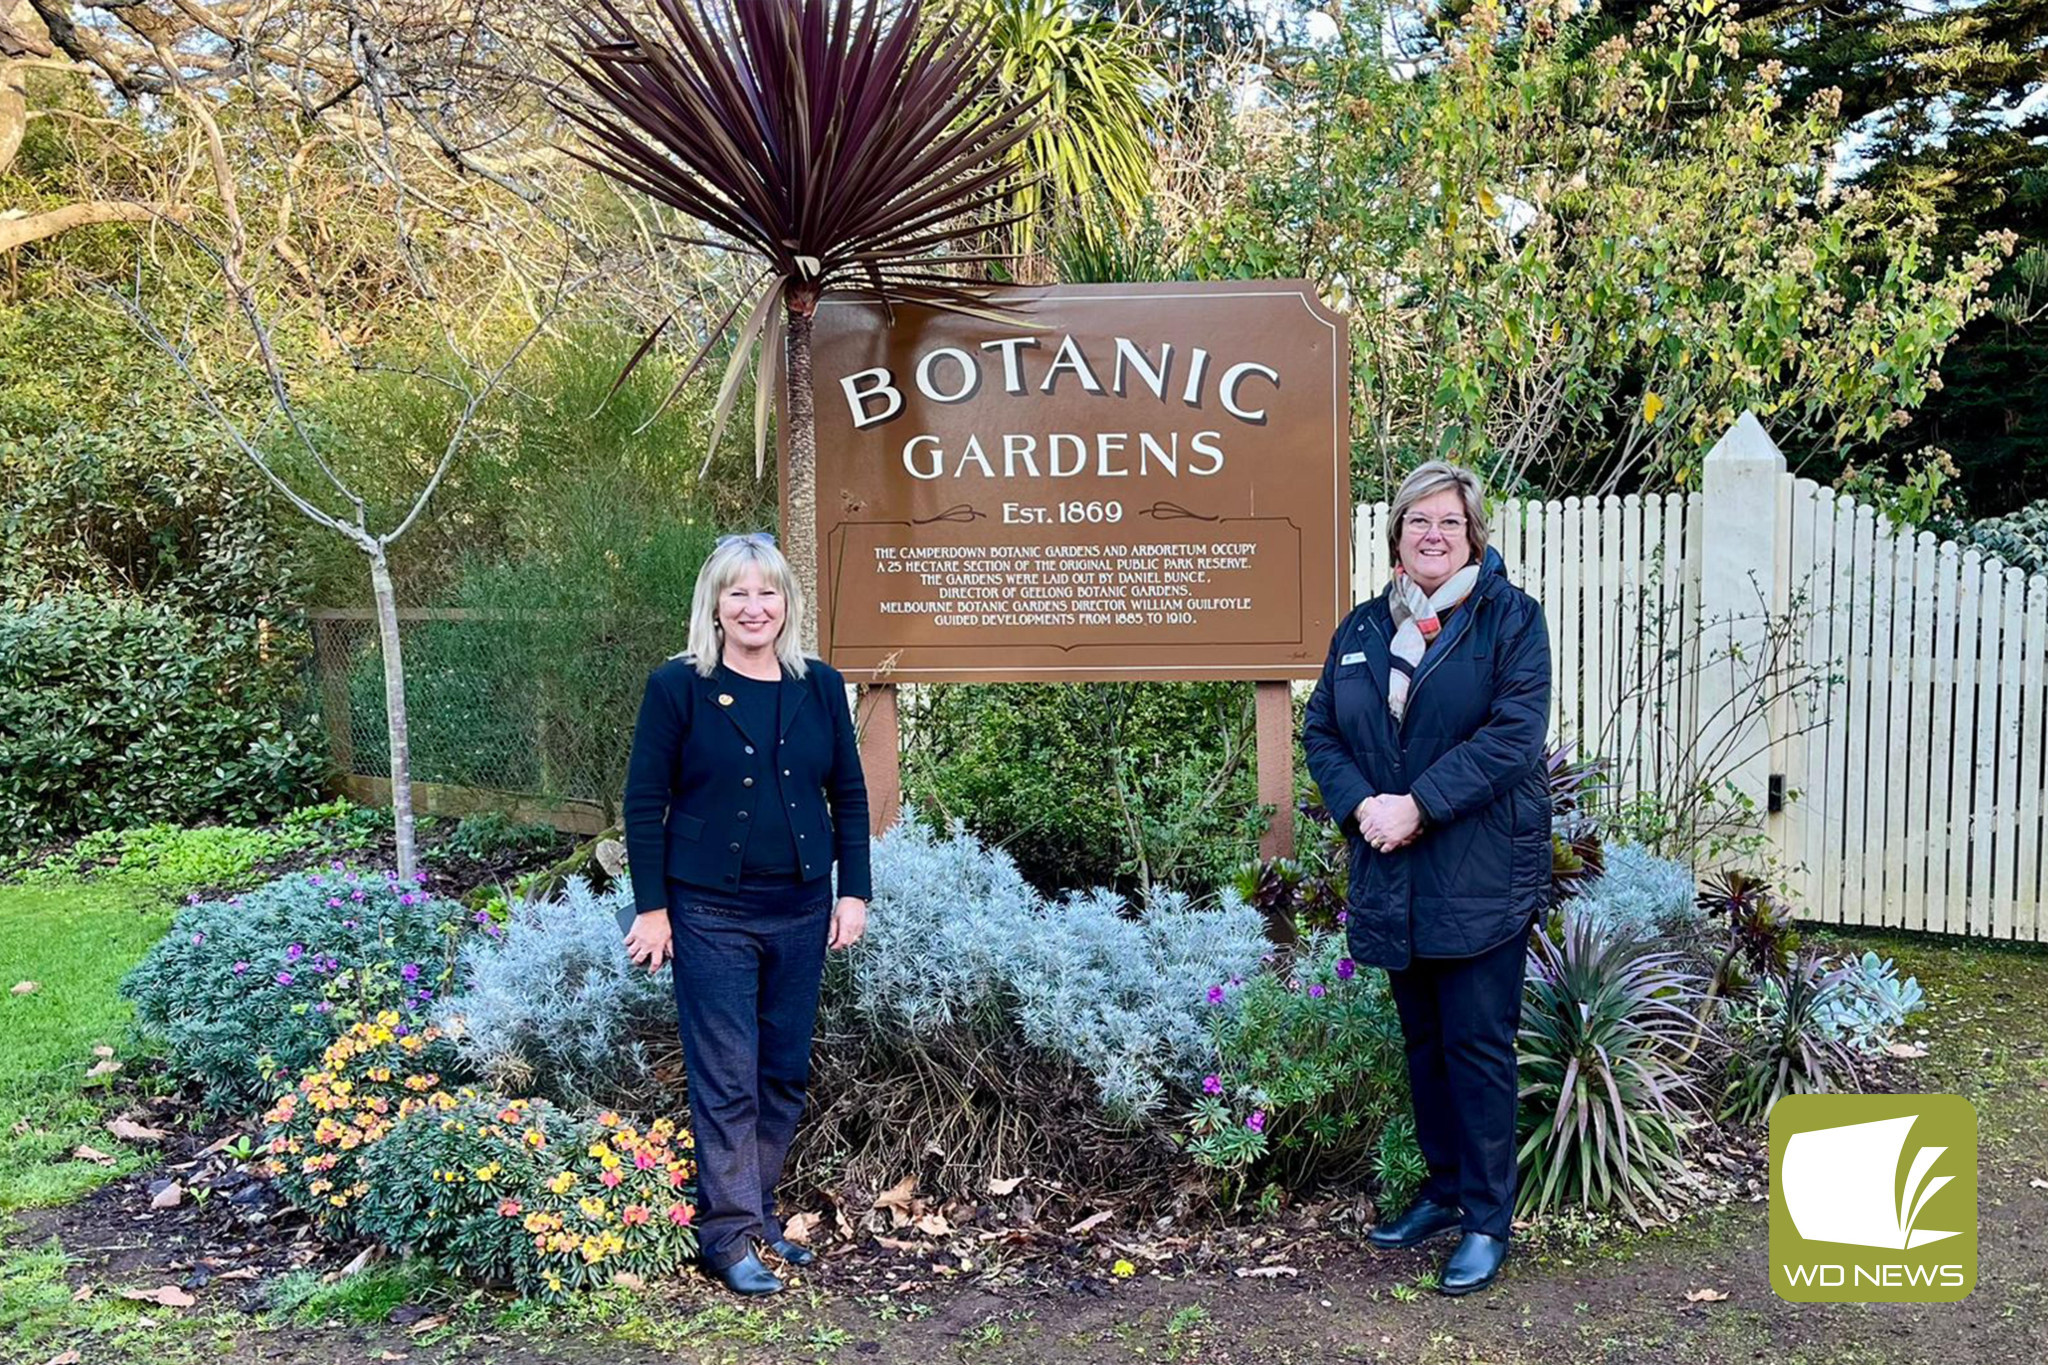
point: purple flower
(1343, 917)
(198, 939)
(405, 899)
(313, 879)
(295, 952)
(1346, 969)
(192, 899)
(1236, 980)
(347, 923)
(334, 902)
(1212, 1085)
(324, 1007)
(356, 894)
(1257, 1122)
(1316, 991)
(338, 865)
(420, 877)
(284, 978)
(410, 971)
(403, 1030)
(483, 917)
(1215, 995)
(241, 967)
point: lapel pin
(725, 699)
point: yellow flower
(488, 1171)
(562, 1183)
(592, 1207)
(1123, 1269)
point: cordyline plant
(851, 146)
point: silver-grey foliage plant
(553, 1006)
(1641, 896)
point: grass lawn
(48, 1107)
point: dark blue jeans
(746, 1002)
(1459, 1017)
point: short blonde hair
(1431, 478)
(725, 566)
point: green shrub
(492, 834)
(370, 1143)
(265, 980)
(1606, 1022)
(1097, 785)
(2020, 539)
(1309, 1070)
(117, 712)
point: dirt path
(1609, 1302)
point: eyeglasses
(1450, 527)
(745, 538)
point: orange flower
(634, 1215)
(680, 1214)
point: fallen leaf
(27, 987)
(1003, 1187)
(1266, 1272)
(898, 1244)
(626, 1279)
(69, 1357)
(428, 1324)
(85, 1153)
(1705, 1296)
(2038, 1183)
(898, 1196)
(169, 1197)
(390, 1355)
(247, 1272)
(128, 1130)
(81, 1294)
(219, 1144)
(1092, 1221)
(363, 1258)
(800, 1228)
(105, 1068)
(1905, 1050)
(169, 1295)
(933, 1225)
(102, 1050)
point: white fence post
(1739, 587)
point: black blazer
(696, 779)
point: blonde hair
(726, 565)
(1431, 478)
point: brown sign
(1109, 482)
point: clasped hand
(650, 941)
(1389, 822)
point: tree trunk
(394, 711)
(800, 530)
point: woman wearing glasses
(1426, 736)
(743, 791)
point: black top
(771, 845)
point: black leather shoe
(791, 1253)
(1425, 1219)
(1474, 1264)
(747, 1276)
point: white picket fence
(1879, 697)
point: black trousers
(746, 1002)
(1459, 1017)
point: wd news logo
(1873, 1198)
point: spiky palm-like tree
(1091, 154)
(844, 144)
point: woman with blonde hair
(743, 791)
(1426, 736)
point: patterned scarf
(1418, 617)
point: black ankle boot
(1474, 1264)
(790, 1253)
(747, 1276)
(1425, 1219)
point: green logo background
(1919, 1274)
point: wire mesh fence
(513, 702)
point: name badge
(1349, 659)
